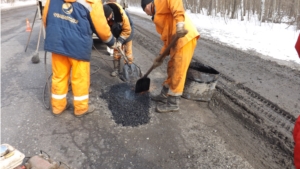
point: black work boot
(116, 68)
(172, 105)
(162, 97)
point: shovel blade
(130, 73)
(142, 85)
(35, 58)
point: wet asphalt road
(193, 138)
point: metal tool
(35, 58)
(143, 84)
(131, 72)
(31, 30)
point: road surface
(247, 124)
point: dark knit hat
(107, 10)
(144, 3)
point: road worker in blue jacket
(69, 27)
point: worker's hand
(119, 45)
(180, 30)
(116, 45)
(158, 61)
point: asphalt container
(200, 83)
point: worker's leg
(177, 69)
(116, 62)
(80, 85)
(128, 51)
(61, 72)
(162, 96)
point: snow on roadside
(274, 40)
(17, 4)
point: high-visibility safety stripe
(80, 98)
(59, 96)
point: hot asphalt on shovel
(143, 84)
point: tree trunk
(242, 10)
(245, 7)
(233, 9)
(274, 10)
(298, 15)
(253, 7)
(262, 12)
(228, 8)
(293, 4)
(209, 10)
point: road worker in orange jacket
(170, 19)
(122, 29)
(69, 27)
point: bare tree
(262, 11)
(242, 10)
(233, 9)
(267, 10)
(209, 8)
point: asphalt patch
(128, 108)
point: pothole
(127, 107)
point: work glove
(116, 45)
(158, 61)
(180, 31)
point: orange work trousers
(127, 47)
(177, 68)
(80, 80)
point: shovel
(143, 84)
(130, 72)
(31, 30)
(35, 58)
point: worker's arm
(45, 12)
(100, 23)
(126, 28)
(177, 10)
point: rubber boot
(162, 97)
(172, 105)
(116, 68)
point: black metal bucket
(200, 82)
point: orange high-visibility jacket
(168, 13)
(126, 28)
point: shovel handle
(122, 53)
(163, 55)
